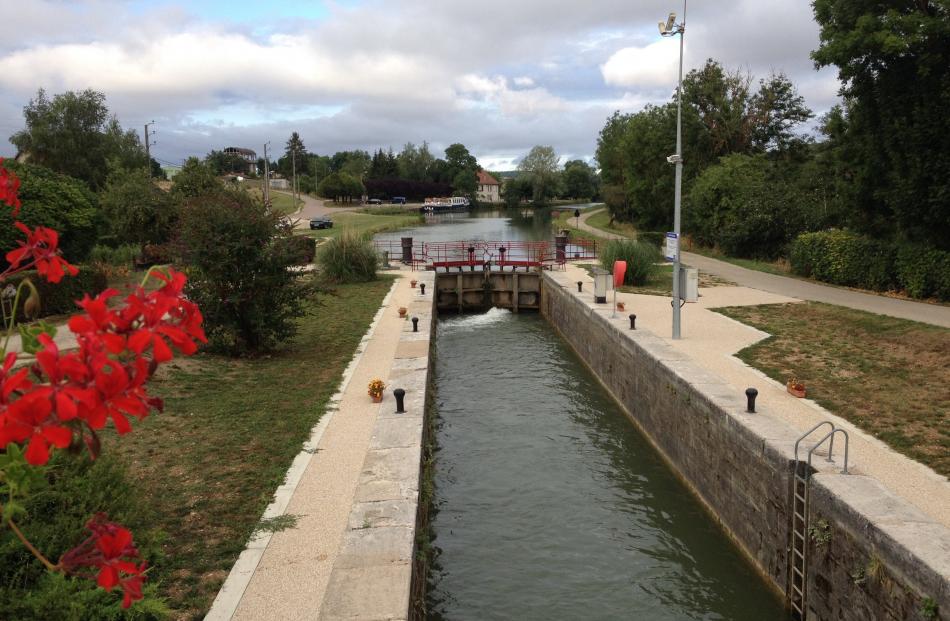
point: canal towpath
(711, 340)
(351, 493)
(934, 314)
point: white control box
(689, 284)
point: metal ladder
(798, 558)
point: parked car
(321, 223)
(374, 201)
(399, 200)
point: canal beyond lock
(549, 504)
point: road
(933, 314)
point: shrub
(135, 209)
(60, 298)
(237, 257)
(923, 271)
(641, 258)
(302, 249)
(59, 512)
(350, 257)
(124, 255)
(654, 238)
(844, 258)
(58, 202)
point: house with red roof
(488, 189)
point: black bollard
(633, 322)
(400, 394)
(580, 286)
(415, 324)
(422, 288)
(751, 394)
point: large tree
(893, 60)
(461, 169)
(580, 179)
(540, 167)
(73, 133)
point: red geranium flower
(28, 418)
(42, 246)
(9, 186)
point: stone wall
(739, 465)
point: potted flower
(796, 387)
(620, 306)
(413, 283)
(376, 388)
(403, 311)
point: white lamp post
(670, 28)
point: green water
(549, 505)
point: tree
(355, 163)
(461, 169)
(340, 187)
(135, 209)
(580, 179)
(74, 134)
(515, 191)
(239, 257)
(195, 179)
(384, 165)
(222, 163)
(893, 60)
(415, 163)
(540, 167)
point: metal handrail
(809, 432)
(831, 434)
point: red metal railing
(482, 254)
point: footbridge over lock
(475, 275)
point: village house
(489, 189)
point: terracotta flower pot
(620, 306)
(413, 283)
(377, 398)
(403, 311)
(796, 391)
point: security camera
(670, 21)
(662, 28)
(675, 158)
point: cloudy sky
(499, 75)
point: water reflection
(551, 506)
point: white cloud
(379, 73)
(650, 66)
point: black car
(321, 223)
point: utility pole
(148, 143)
(266, 176)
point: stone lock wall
(740, 466)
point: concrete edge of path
(232, 590)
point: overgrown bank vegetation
(872, 186)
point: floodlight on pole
(669, 29)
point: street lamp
(670, 28)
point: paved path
(711, 340)
(803, 289)
(314, 208)
(289, 574)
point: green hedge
(846, 258)
(656, 238)
(61, 298)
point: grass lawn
(280, 202)
(891, 377)
(210, 463)
(565, 220)
(601, 220)
(367, 223)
